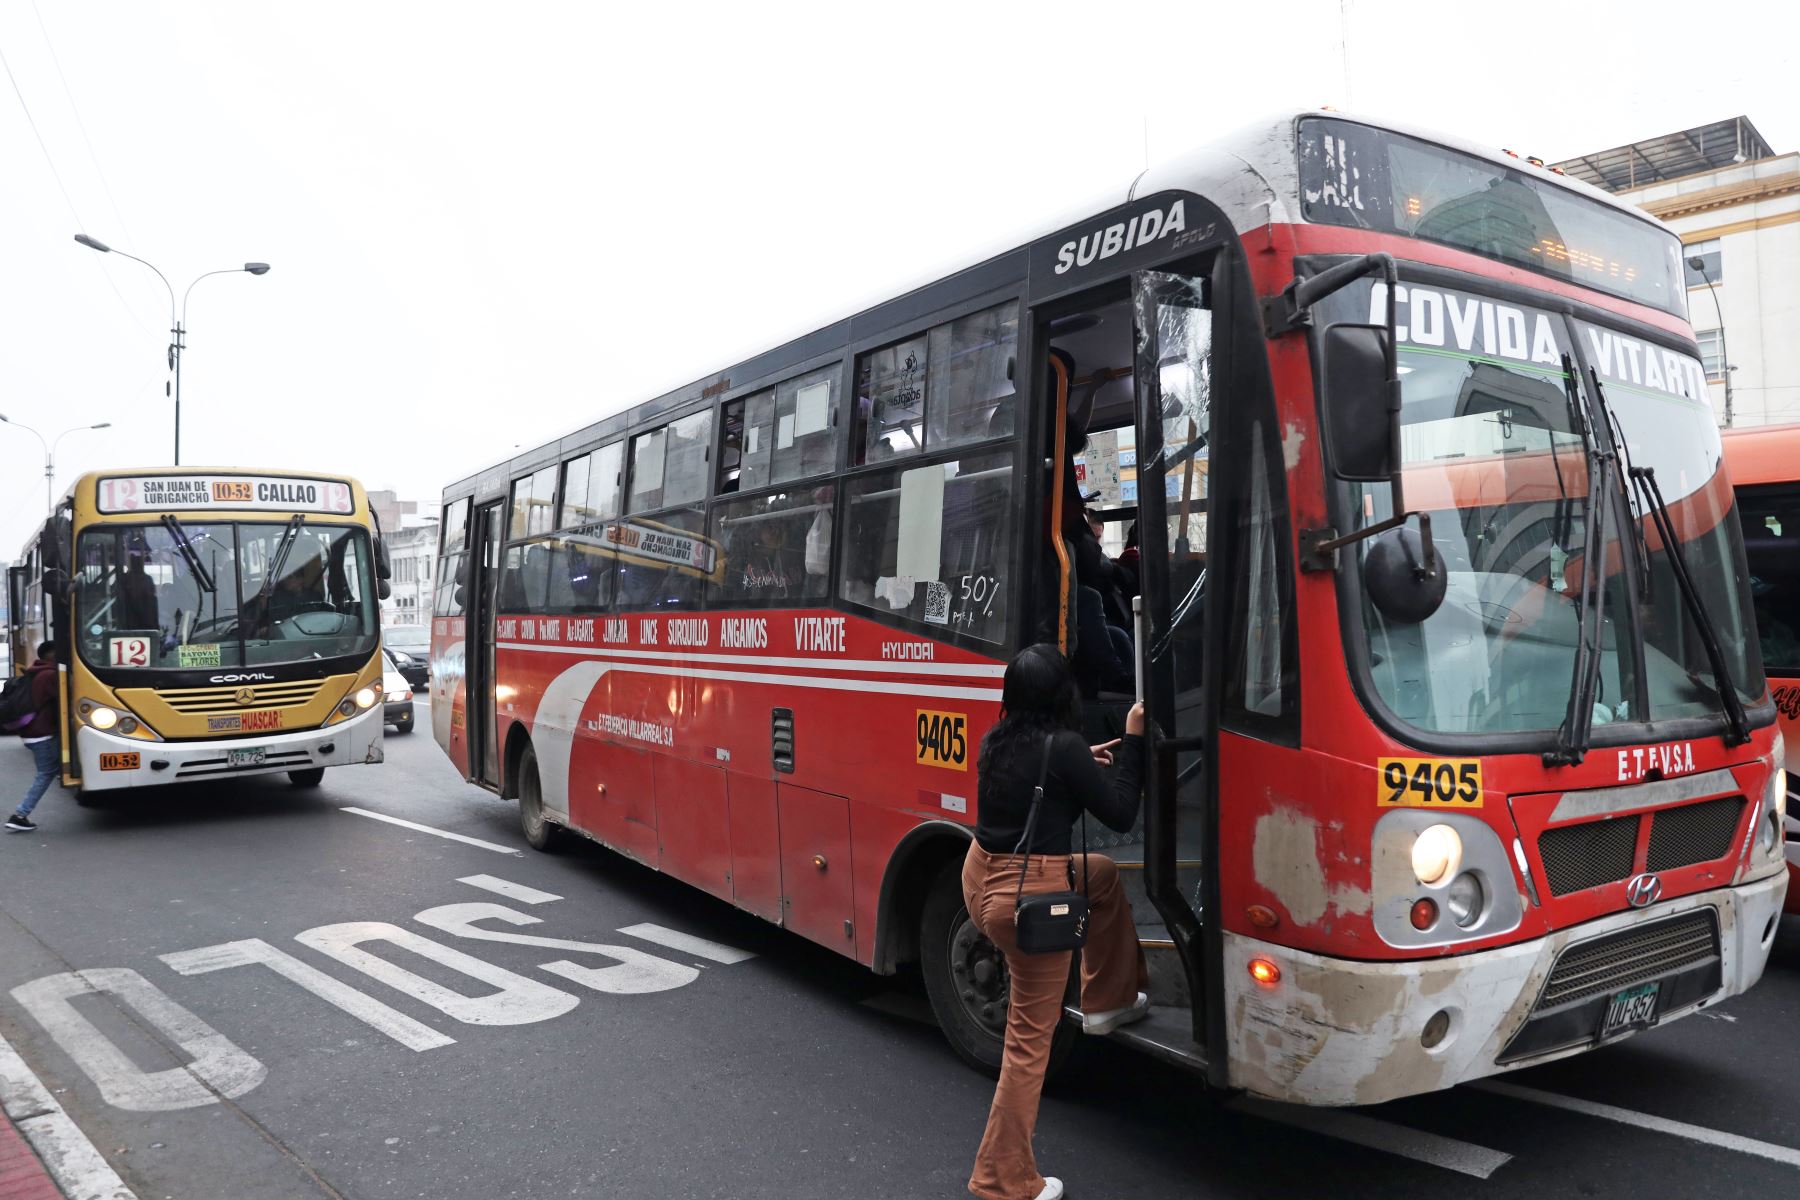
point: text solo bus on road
(1764, 465)
(1418, 811)
(210, 623)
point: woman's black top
(1075, 783)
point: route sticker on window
(1428, 783)
(197, 654)
(943, 740)
(128, 652)
(126, 761)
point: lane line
(698, 947)
(1625, 1116)
(512, 891)
(1463, 1157)
(73, 1161)
(443, 833)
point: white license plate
(246, 758)
(1633, 1008)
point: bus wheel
(966, 979)
(309, 777)
(540, 831)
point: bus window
(526, 577)
(775, 548)
(450, 598)
(532, 500)
(668, 465)
(1771, 522)
(805, 414)
(890, 402)
(749, 426)
(969, 387)
(591, 487)
(456, 523)
(930, 546)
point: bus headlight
(1768, 838)
(1436, 854)
(366, 697)
(128, 725)
(1466, 899)
(101, 717)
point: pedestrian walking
(41, 735)
(1036, 743)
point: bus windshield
(1496, 435)
(192, 595)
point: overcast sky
(490, 224)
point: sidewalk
(22, 1175)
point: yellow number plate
(127, 761)
(943, 740)
(1428, 783)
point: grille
(195, 701)
(1585, 856)
(1620, 960)
(1693, 833)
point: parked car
(410, 646)
(396, 695)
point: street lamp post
(177, 322)
(50, 455)
(1699, 264)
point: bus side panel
(695, 843)
(449, 692)
(817, 882)
(755, 846)
(612, 796)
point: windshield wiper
(281, 555)
(1738, 724)
(1576, 732)
(202, 576)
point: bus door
(487, 533)
(1176, 376)
(16, 623)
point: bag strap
(1037, 796)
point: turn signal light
(1265, 972)
(1262, 916)
(1424, 913)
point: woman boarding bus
(214, 624)
(1460, 757)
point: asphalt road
(641, 1062)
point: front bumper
(397, 712)
(1334, 1031)
(357, 740)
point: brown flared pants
(1112, 973)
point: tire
(405, 726)
(966, 980)
(540, 831)
(307, 777)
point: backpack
(17, 710)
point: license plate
(246, 758)
(1633, 1008)
(123, 761)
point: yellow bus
(209, 623)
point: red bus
(1764, 464)
(1463, 758)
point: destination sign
(190, 492)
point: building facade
(412, 552)
(1736, 205)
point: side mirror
(383, 588)
(1358, 425)
(384, 566)
(1398, 577)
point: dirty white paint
(78, 1168)
(1285, 858)
(687, 943)
(517, 1000)
(633, 972)
(512, 891)
(414, 1035)
(217, 1067)
(1293, 441)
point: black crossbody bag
(1056, 921)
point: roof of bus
(1762, 454)
(1251, 173)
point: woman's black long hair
(1038, 697)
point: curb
(22, 1174)
(65, 1165)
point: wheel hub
(983, 984)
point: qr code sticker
(937, 602)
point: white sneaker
(1112, 1018)
(1052, 1189)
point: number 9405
(1429, 783)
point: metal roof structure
(1671, 156)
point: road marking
(517, 1000)
(73, 1162)
(443, 833)
(512, 891)
(217, 1067)
(414, 1035)
(687, 942)
(634, 973)
(1449, 1153)
(1625, 1116)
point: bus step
(1167, 1033)
(1168, 981)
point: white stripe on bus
(973, 670)
(608, 659)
